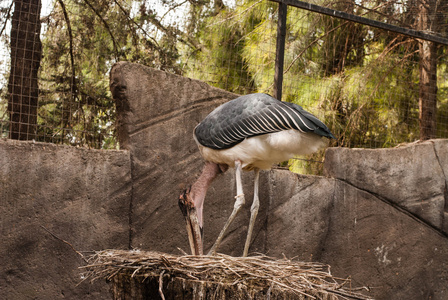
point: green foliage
(223, 35)
(75, 100)
(82, 41)
(362, 82)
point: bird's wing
(253, 115)
(312, 123)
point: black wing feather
(253, 115)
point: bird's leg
(239, 202)
(253, 212)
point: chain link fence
(369, 85)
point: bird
(249, 133)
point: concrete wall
(379, 216)
(50, 194)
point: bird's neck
(200, 187)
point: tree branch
(64, 241)
(107, 28)
(175, 33)
(127, 14)
(7, 17)
(74, 89)
(316, 40)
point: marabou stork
(251, 132)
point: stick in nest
(161, 285)
(255, 272)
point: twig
(234, 16)
(73, 89)
(175, 33)
(182, 251)
(127, 14)
(6, 18)
(161, 285)
(114, 42)
(64, 241)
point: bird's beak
(192, 223)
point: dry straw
(307, 280)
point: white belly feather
(265, 150)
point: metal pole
(345, 16)
(280, 50)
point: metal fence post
(280, 50)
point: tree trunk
(26, 53)
(428, 73)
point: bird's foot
(211, 253)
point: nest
(248, 276)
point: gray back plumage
(253, 115)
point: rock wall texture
(53, 198)
(157, 113)
(359, 234)
(378, 217)
(412, 177)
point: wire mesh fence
(365, 83)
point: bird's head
(185, 201)
(188, 202)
